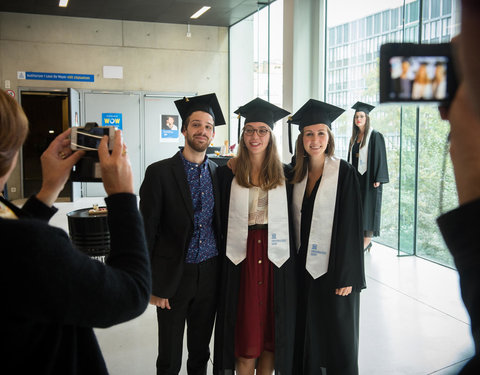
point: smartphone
(88, 138)
(417, 73)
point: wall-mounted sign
(112, 119)
(169, 128)
(11, 93)
(113, 72)
(56, 76)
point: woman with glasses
(255, 318)
(327, 216)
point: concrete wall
(155, 57)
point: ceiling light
(200, 12)
(63, 3)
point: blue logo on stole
(314, 250)
(275, 241)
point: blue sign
(60, 76)
(112, 119)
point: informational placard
(56, 76)
(113, 72)
(169, 128)
(112, 119)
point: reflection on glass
(432, 137)
(354, 39)
(406, 232)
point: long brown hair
(13, 130)
(271, 174)
(302, 157)
(356, 130)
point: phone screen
(90, 140)
(418, 78)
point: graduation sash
(237, 232)
(318, 250)
(362, 154)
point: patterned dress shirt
(203, 245)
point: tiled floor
(412, 319)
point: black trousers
(195, 303)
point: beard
(195, 145)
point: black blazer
(68, 292)
(167, 209)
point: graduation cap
(313, 112)
(206, 103)
(259, 110)
(363, 107)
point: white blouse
(257, 206)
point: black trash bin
(90, 233)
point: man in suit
(180, 206)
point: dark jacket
(53, 294)
(167, 209)
(460, 230)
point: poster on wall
(112, 119)
(169, 128)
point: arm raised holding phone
(51, 291)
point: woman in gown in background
(368, 156)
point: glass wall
(420, 185)
(414, 135)
(256, 62)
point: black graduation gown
(328, 325)
(377, 171)
(284, 298)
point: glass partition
(436, 191)
(414, 135)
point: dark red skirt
(255, 328)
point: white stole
(237, 232)
(318, 251)
(362, 154)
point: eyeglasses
(262, 132)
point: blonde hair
(302, 157)
(13, 130)
(271, 174)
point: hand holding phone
(417, 73)
(117, 176)
(57, 162)
(88, 138)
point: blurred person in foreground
(53, 295)
(460, 226)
